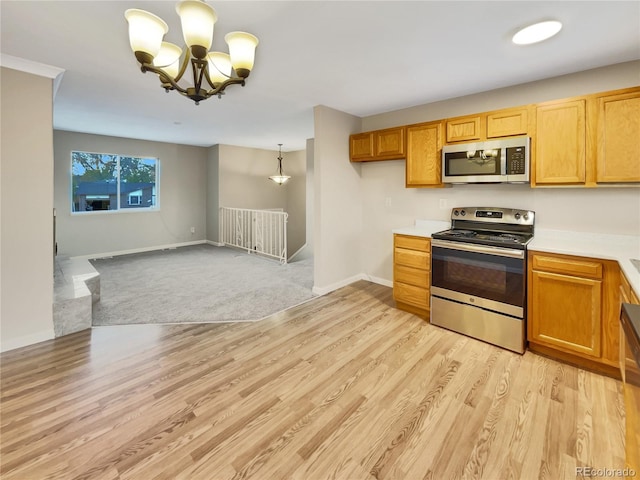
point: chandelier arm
(220, 88)
(147, 67)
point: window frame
(117, 156)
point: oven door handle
(472, 247)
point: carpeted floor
(200, 283)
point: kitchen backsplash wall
(387, 204)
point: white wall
(182, 198)
(26, 204)
(213, 194)
(337, 213)
(294, 164)
(613, 209)
(310, 196)
(244, 183)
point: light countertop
(622, 248)
(424, 228)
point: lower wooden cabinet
(412, 273)
(573, 310)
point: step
(76, 289)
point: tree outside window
(101, 181)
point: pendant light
(279, 178)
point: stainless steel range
(479, 272)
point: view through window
(102, 181)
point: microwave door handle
(503, 161)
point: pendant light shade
(145, 33)
(197, 19)
(280, 177)
(168, 59)
(242, 50)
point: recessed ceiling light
(537, 32)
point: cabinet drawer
(411, 294)
(581, 268)
(413, 243)
(412, 276)
(412, 258)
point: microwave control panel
(515, 160)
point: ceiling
(360, 57)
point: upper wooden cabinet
(588, 140)
(508, 123)
(424, 147)
(499, 123)
(361, 146)
(618, 137)
(560, 142)
(387, 144)
(464, 129)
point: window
(102, 181)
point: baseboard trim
(139, 250)
(380, 281)
(215, 244)
(335, 286)
(26, 340)
(296, 253)
(347, 281)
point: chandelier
(279, 178)
(212, 71)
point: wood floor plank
(342, 387)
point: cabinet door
(389, 143)
(506, 123)
(424, 147)
(565, 313)
(560, 143)
(618, 150)
(361, 146)
(464, 129)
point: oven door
(490, 278)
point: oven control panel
(494, 214)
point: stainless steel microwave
(495, 161)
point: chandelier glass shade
(280, 177)
(212, 72)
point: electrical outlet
(387, 202)
(193, 229)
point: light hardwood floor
(342, 387)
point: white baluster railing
(258, 231)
